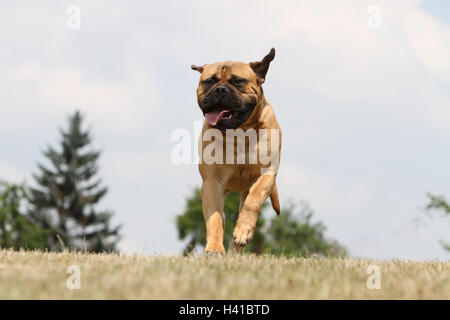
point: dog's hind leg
(242, 200)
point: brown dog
(231, 97)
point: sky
(361, 94)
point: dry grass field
(38, 275)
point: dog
(231, 98)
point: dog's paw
(242, 235)
(213, 254)
(214, 249)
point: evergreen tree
(64, 202)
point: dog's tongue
(214, 116)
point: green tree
(440, 204)
(16, 229)
(64, 201)
(292, 233)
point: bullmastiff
(239, 147)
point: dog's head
(229, 92)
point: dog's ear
(261, 67)
(198, 68)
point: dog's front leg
(246, 223)
(212, 194)
(234, 248)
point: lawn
(40, 275)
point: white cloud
(430, 39)
(53, 92)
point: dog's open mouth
(213, 117)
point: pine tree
(64, 202)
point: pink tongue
(214, 116)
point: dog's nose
(221, 90)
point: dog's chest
(243, 177)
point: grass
(39, 275)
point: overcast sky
(364, 108)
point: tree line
(60, 211)
(292, 233)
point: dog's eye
(209, 81)
(238, 81)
